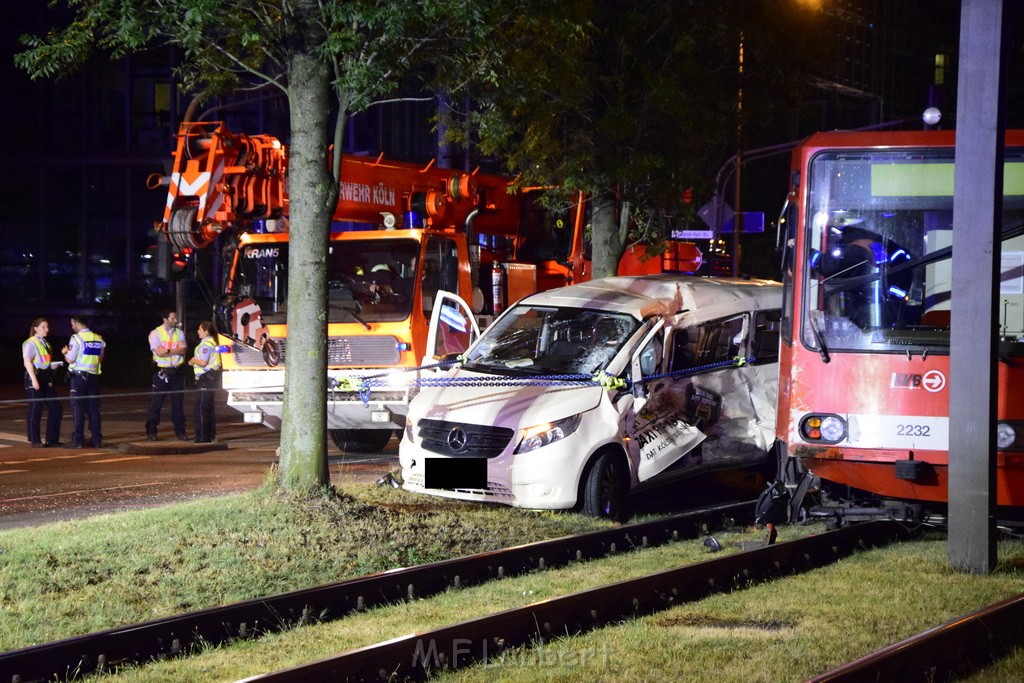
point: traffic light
(688, 195)
(162, 267)
(168, 263)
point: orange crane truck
(418, 256)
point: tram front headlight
(823, 428)
(1006, 436)
(832, 428)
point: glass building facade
(77, 155)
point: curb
(171, 447)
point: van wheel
(607, 488)
(360, 440)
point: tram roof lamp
(931, 115)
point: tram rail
(414, 657)
(956, 648)
(179, 635)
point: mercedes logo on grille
(457, 439)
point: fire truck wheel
(606, 488)
(360, 440)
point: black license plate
(455, 473)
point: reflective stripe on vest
(89, 346)
(42, 359)
(213, 362)
(167, 340)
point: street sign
(715, 212)
(753, 221)
(693, 234)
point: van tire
(606, 489)
(360, 440)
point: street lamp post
(737, 223)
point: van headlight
(409, 429)
(548, 433)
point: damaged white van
(579, 396)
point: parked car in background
(582, 396)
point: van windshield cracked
(551, 340)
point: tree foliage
(640, 102)
(355, 50)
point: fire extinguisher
(498, 287)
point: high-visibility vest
(213, 362)
(90, 348)
(167, 341)
(42, 359)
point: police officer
(39, 364)
(167, 342)
(84, 354)
(206, 363)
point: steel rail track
(415, 656)
(959, 647)
(181, 634)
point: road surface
(40, 485)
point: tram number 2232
(913, 430)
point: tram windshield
(878, 244)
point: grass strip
(788, 629)
(70, 578)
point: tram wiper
(819, 339)
(848, 283)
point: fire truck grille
(356, 351)
(480, 440)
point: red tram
(864, 362)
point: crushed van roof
(645, 295)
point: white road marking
(77, 492)
(7, 436)
(133, 457)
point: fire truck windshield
(368, 280)
(878, 238)
(371, 278)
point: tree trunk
(606, 238)
(313, 192)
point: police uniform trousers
(167, 383)
(85, 401)
(44, 397)
(206, 425)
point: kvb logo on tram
(932, 381)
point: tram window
(706, 344)
(766, 336)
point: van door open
(658, 437)
(452, 329)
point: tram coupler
(840, 515)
